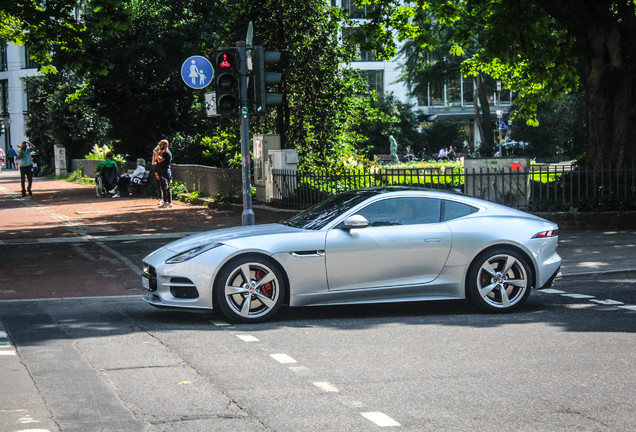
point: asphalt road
(80, 351)
(565, 362)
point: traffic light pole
(244, 120)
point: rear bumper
(555, 277)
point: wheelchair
(105, 181)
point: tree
(55, 27)
(143, 96)
(397, 119)
(536, 47)
(429, 65)
(561, 131)
(323, 101)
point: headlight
(189, 254)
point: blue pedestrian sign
(197, 72)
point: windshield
(321, 214)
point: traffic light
(227, 82)
(2, 129)
(262, 99)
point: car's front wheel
(249, 289)
(499, 280)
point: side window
(402, 211)
(454, 210)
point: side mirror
(355, 221)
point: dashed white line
(607, 302)
(283, 358)
(552, 291)
(248, 338)
(380, 419)
(326, 387)
(578, 296)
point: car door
(404, 244)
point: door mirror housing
(354, 222)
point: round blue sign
(197, 72)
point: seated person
(443, 154)
(408, 154)
(108, 169)
(136, 177)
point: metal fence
(540, 188)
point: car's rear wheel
(249, 289)
(499, 280)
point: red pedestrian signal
(227, 83)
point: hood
(227, 234)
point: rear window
(454, 210)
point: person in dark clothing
(163, 173)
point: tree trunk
(483, 120)
(605, 31)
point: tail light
(546, 234)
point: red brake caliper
(266, 289)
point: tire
(99, 187)
(499, 280)
(249, 289)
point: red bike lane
(55, 244)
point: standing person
(26, 165)
(11, 158)
(2, 158)
(164, 158)
(155, 174)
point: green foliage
(323, 101)
(58, 113)
(561, 130)
(444, 133)
(77, 176)
(223, 150)
(52, 29)
(99, 153)
(393, 118)
(178, 188)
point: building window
(28, 62)
(3, 56)
(355, 11)
(4, 98)
(361, 55)
(468, 91)
(375, 80)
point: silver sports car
(366, 246)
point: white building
(15, 66)
(452, 100)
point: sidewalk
(60, 210)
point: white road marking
(283, 358)
(578, 296)
(551, 291)
(220, 323)
(628, 307)
(380, 419)
(618, 281)
(607, 302)
(248, 338)
(326, 387)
